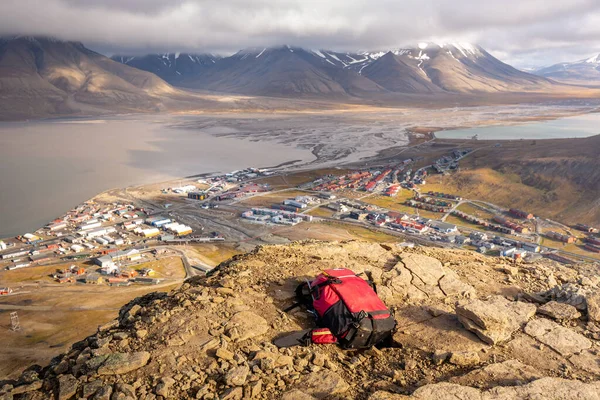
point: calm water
(50, 166)
(570, 127)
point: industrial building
(177, 228)
(108, 262)
(197, 195)
(57, 226)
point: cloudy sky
(525, 33)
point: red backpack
(347, 310)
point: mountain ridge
(582, 71)
(424, 69)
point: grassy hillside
(551, 178)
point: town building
(442, 227)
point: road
(190, 270)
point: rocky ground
(469, 327)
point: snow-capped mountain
(287, 71)
(582, 71)
(284, 71)
(172, 67)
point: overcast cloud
(525, 33)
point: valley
(491, 178)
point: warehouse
(77, 248)
(150, 232)
(442, 226)
(294, 203)
(57, 226)
(160, 222)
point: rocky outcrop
(559, 311)
(212, 337)
(496, 319)
(418, 277)
(546, 388)
(561, 339)
(507, 373)
(583, 295)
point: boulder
(163, 386)
(419, 277)
(383, 395)
(593, 306)
(237, 376)
(119, 363)
(248, 325)
(296, 394)
(323, 383)
(581, 297)
(464, 358)
(494, 320)
(507, 373)
(103, 393)
(28, 387)
(67, 387)
(561, 339)
(559, 311)
(545, 388)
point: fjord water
(50, 166)
(570, 127)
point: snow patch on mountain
(594, 60)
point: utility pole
(14, 322)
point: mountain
(583, 71)
(291, 71)
(41, 76)
(454, 67)
(172, 67)
(283, 71)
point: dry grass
(214, 254)
(52, 318)
(322, 212)
(165, 268)
(391, 203)
(41, 274)
(475, 211)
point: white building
(77, 248)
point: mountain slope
(42, 76)
(281, 71)
(456, 68)
(172, 67)
(583, 71)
